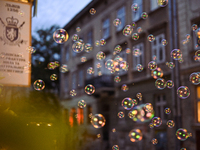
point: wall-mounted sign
(15, 38)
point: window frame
(140, 58)
(106, 27)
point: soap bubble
(135, 36)
(124, 87)
(151, 38)
(151, 125)
(102, 42)
(176, 54)
(63, 68)
(157, 73)
(117, 22)
(198, 32)
(97, 43)
(117, 48)
(135, 7)
(194, 27)
(89, 89)
(115, 147)
(73, 93)
(53, 77)
(152, 65)
(137, 52)
(167, 111)
(162, 3)
(88, 47)
(164, 42)
(31, 49)
(128, 50)
(78, 46)
(92, 11)
(75, 37)
(98, 120)
(154, 141)
(98, 65)
(148, 107)
(117, 79)
(197, 53)
(171, 65)
(60, 36)
(90, 70)
(134, 25)
(183, 92)
(194, 78)
(170, 84)
(170, 123)
(98, 136)
(160, 83)
(182, 134)
(156, 121)
(127, 103)
(139, 29)
(139, 67)
(139, 96)
(78, 29)
(39, 85)
(120, 114)
(51, 65)
(113, 130)
(83, 59)
(101, 55)
(81, 104)
(144, 15)
(135, 135)
(127, 30)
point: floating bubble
(135, 7)
(99, 73)
(183, 148)
(83, 59)
(98, 136)
(53, 77)
(89, 89)
(152, 65)
(160, 83)
(154, 141)
(116, 22)
(101, 55)
(135, 135)
(154, 57)
(127, 103)
(148, 107)
(176, 54)
(75, 37)
(144, 15)
(139, 67)
(157, 73)
(183, 92)
(162, 3)
(194, 27)
(115, 147)
(90, 70)
(60, 36)
(88, 47)
(167, 111)
(31, 49)
(182, 134)
(137, 52)
(197, 59)
(39, 85)
(117, 48)
(151, 38)
(113, 130)
(164, 42)
(198, 32)
(81, 104)
(102, 42)
(170, 84)
(120, 114)
(139, 96)
(92, 11)
(97, 43)
(170, 123)
(109, 64)
(57, 64)
(139, 30)
(181, 60)
(194, 78)
(197, 53)
(134, 25)
(98, 65)
(188, 37)
(156, 121)
(124, 87)
(151, 125)
(171, 65)
(127, 30)
(117, 79)
(135, 36)
(98, 121)
(78, 46)
(78, 29)
(73, 92)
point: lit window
(80, 78)
(196, 40)
(137, 15)
(160, 101)
(89, 37)
(74, 81)
(140, 59)
(154, 4)
(198, 104)
(72, 117)
(80, 116)
(158, 49)
(121, 14)
(106, 28)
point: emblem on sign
(11, 34)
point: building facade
(172, 23)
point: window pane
(106, 28)
(136, 15)
(121, 15)
(154, 4)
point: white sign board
(15, 38)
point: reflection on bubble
(151, 38)
(60, 36)
(182, 134)
(73, 93)
(97, 43)
(139, 96)
(81, 104)
(170, 123)
(31, 49)
(176, 54)
(98, 121)
(151, 125)
(109, 64)
(92, 11)
(117, 79)
(100, 55)
(135, 135)
(98, 136)
(160, 83)
(135, 7)
(198, 32)
(170, 84)
(116, 22)
(88, 47)
(183, 92)
(135, 36)
(144, 15)
(75, 37)
(53, 77)
(117, 49)
(90, 70)
(197, 53)
(139, 67)
(162, 3)
(154, 141)
(127, 30)
(136, 52)
(194, 78)
(120, 114)
(78, 46)
(113, 130)
(164, 42)
(115, 147)
(152, 65)
(148, 107)
(156, 121)
(39, 85)
(127, 103)
(124, 87)
(98, 65)
(157, 73)
(89, 89)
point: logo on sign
(11, 34)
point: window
(106, 28)
(80, 116)
(81, 78)
(74, 81)
(158, 49)
(72, 117)
(198, 104)
(121, 14)
(140, 59)
(154, 5)
(160, 102)
(136, 15)
(90, 37)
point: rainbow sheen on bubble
(170, 123)
(151, 38)
(115, 147)
(92, 11)
(170, 84)
(88, 47)
(183, 92)
(117, 79)
(139, 67)
(78, 46)
(182, 134)
(78, 29)
(157, 73)
(144, 15)
(117, 49)
(134, 25)
(102, 42)
(75, 37)
(39, 85)
(73, 93)
(120, 114)
(117, 22)
(83, 59)
(89, 89)
(31, 49)
(152, 65)
(164, 42)
(81, 104)
(139, 30)
(127, 30)
(135, 7)
(176, 54)
(162, 3)
(100, 55)
(160, 83)
(124, 87)
(60, 36)
(139, 96)
(154, 141)
(135, 135)
(194, 27)
(171, 65)
(194, 78)
(135, 36)
(98, 121)
(127, 103)
(53, 77)
(90, 70)
(167, 111)
(136, 52)
(156, 121)
(109, 64)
